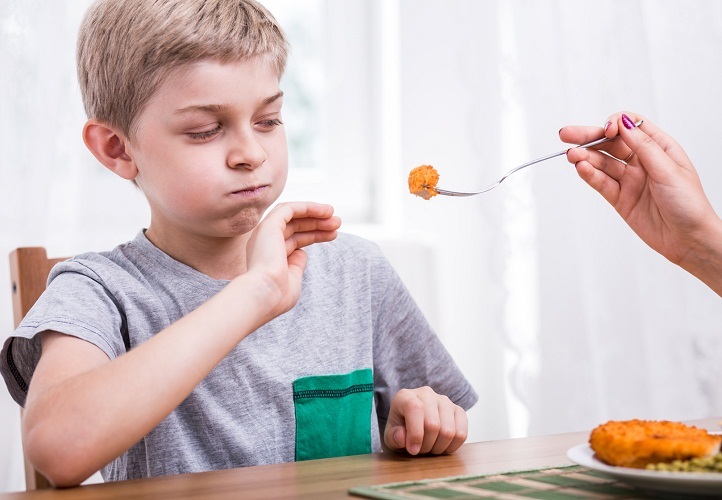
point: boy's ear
(109, 147)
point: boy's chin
(245, 222)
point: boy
(192, 347)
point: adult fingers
(578, 134)
(653, 156)
(664, 140)
(599, 181)
(583, 134)
(601, 161)
(611, 127)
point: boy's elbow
(63, 466)
(64, 479)
(62, 471)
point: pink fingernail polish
(607, 125)
(628, 124)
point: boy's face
(210, 149)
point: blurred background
(556, 312)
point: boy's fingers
(284, 213)
(411, 410)
(300, 240)
(432, 423)
(462, 429)
(297, 260)
(395, 437)
(307, 224)
(447, 426)
(300, 209)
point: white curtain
(561, 316)
(553, 308)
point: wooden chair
(29, 269)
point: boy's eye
(270, 124)
(206, 134)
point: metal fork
(446, 192)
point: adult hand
(422, 421)
(655, 188)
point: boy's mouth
(251, 190)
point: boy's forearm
(75, 427)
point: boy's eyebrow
(269, 100)
(215, 108)
(208, 108)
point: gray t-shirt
(316, 381)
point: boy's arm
(421, 393)
(83, 410)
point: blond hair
(127, 47)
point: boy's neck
(219, 258)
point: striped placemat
(556, 483)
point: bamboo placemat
(556, 483)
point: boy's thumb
(396, 437)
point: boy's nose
(246, 152)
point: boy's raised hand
(275, 249)
(422, 421)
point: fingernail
(628, 124)
(607, 125)
(415, 449)
(397, 438)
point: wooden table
(332, 478)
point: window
(340, 133)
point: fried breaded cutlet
(636, 443)
(423, 180)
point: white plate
(691, 483)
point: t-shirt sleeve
(75, 303)
(408, 354)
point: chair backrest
(29, 269)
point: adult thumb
(649, 153)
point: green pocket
(333, 414)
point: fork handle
(560, 153)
